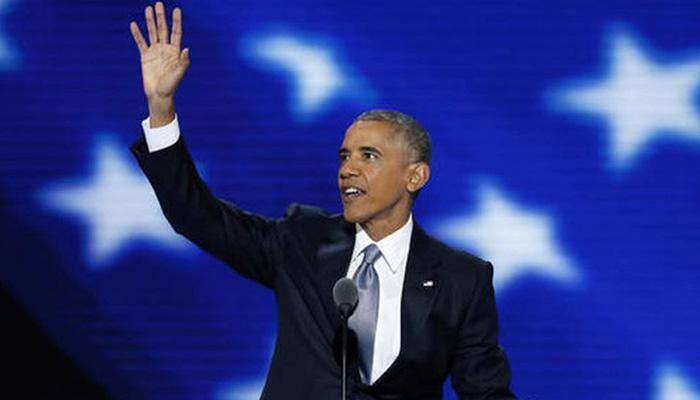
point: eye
(370, 155)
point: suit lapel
(418, 294)
(334, 257)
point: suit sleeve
(480, 370)
(243, 240)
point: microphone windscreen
(345, 293)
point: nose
(348, 169)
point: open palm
(163, 64)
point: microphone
(345, 297)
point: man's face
(373, 173)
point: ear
(418, 176)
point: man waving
(426, 310)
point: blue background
(606, 308)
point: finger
(162, 23)
(176, 35)
(138, 38)
(151, 25)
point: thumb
(185, 58)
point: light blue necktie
(364, 320)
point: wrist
(161, 111)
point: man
(426, 311)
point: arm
(242, 240)
(480, 369)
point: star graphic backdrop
(566, 151)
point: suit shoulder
(460, 263)
(296, 211)
(310, 218)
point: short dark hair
(412, 132)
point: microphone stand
(344, 382)
(345, 298)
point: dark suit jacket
(450, 328)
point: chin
(350, 217)
(354, 216)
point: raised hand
(163, 64)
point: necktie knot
(372, 253)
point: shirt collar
(394, 247)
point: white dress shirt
(390, 267)
(391, 270)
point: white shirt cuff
(162, 137)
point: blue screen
(566, 150)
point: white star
(516, 240)
(117, 204)
(250, 390)
(640, 100)
(8, 57)
(316, 74)
(671, 384)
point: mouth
(351, 193)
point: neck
(379, 228)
